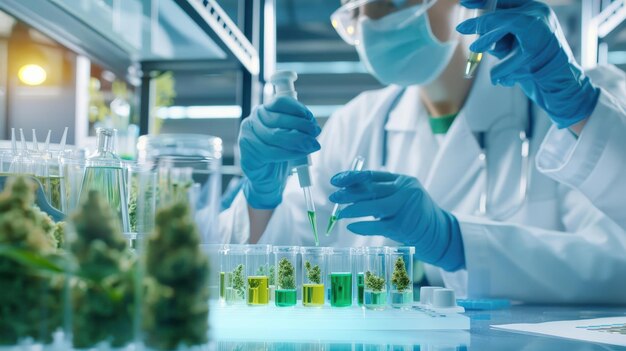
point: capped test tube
(474, 58)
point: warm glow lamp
(32, 74)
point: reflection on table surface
(480, 337)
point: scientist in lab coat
(507, 184)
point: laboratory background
(133, 191)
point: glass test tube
(286, 278)
(358, 260)
(474, 58)
(232, 276)
(257, 274)
(313, 276)
(357, 165)
(340, 268)
(400, 276)
(375, 292)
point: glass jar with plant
(401, 281)
(375, 294)
(232, 275)
(285, 260)
(313, 274)
(257, 264)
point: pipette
(283, 82)
(475, 57)
(357, 165)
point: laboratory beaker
(340, 271)
(72, 163)
(400, 263)
(233, 274)
(359, 270)
(285, 263)
(189, 166)
(313, 276)
(257, 274)
(105, 174)
(212, 251)
(103, 295)
(375, 293)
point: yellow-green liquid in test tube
(283, 82)
(357, 165)
(474, 58)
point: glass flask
(375, 267)
(286, 276)
(400, 276)
(188, 167)
(340, 276)
(104, 172)
(258, 274)
(313, 276)
(233, 274)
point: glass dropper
(357, 165)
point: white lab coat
(558, 247)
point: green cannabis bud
(103, 295)
(239, 283)
(177, 307)
(373, 282)
(314, 273)
(400, 277)
(286, 278)
(30, 301)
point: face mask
(401, 49)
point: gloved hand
(527, 37)
(404, 212)
(274, 134)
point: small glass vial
(358, 261)
(285, 272)
(375, 292)
(313, 276)
(233, 274)
(340, 272)
(400, 278)
(257, 274)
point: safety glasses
(345, 18)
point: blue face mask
(401, 49)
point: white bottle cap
(426, 294)
(443, 298)
(283, 82)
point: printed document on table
(599, 330)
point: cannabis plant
(177, 306)
(238, 282)
(400, 277)
(270, 275)
(374, 282)
(103, 293)
(286, 274)
(30, 299)
(314, 273)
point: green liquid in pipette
(313, 221)
(331, 224)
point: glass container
(257, 274)
(285, 263)
(313, 276)
(400, 276)
(340, 270)
(213, 252)
(72, 164)
(104, 173)
(233, 274)
(375, 267)
(188, 167)
(142, 183)
(359, 270)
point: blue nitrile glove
(404, 212)
(270, 137)
(535, 54)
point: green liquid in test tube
(357, 165)
(474, 58)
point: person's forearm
(259, 219)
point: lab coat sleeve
(595, 163)
(584, 263)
